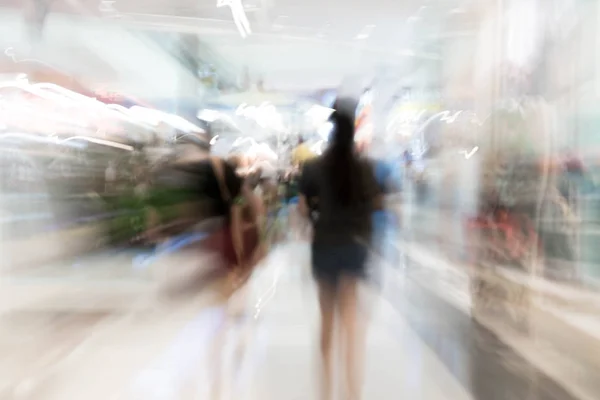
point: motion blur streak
(277, 199)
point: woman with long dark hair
(339, 192)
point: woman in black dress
(339, 192)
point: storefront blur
(519, 137)
(71, 170)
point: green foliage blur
(132, 212)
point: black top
(200, 179)
(333, 222)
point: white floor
(399, 365)
(166, 354)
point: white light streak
(239, 15)
(469, 154)
(102, 142)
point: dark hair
(341, 162)
(235, 160)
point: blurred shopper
(374, 151)
(218, 207)
(268, 191)
(575, 179)
(385, 220)
(343, 188)
(230, 218)
(408, 158)
(302, 153)
(267, 184)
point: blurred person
(297, 223)
(267, 182)
(302, 153)
(217, 202)
(574, 179)
(409, 174)
(338, 190)
(573, 163)
(386, 219)
(231, 215)
(268, 191)
(408, 158)
(247, 174)
(418, 176)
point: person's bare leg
(352, 332)
(327, 306)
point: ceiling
(101, 57)
(294, 45)
(308, 44)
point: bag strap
(217, 166)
